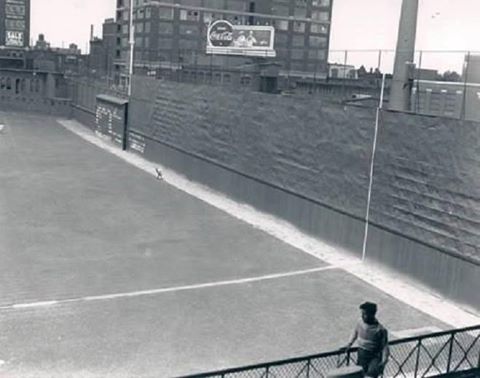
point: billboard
(223, 38)
(14, 38)
(15, 23)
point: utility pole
(132, 46)
(404, 56)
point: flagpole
(132, 44)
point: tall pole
(372, 164)
(404, 56)
(465, 87)
(132, 45)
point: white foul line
(390, 282)
(168, 289)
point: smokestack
(404, 57)
(91, 32)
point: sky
(356, 25)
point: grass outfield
(107, 272)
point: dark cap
(369, 307)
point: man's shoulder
(382, 331)
(382, 328)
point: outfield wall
(308, 162)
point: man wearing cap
(372, 341)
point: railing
(419, 356)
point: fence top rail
(328, 354)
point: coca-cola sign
(223, 38)
(220, 34)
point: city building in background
(174, 36)
(102, 51)
(342, 71)
(15, 23)
(455, 96)
(43, 57)
(471, 72)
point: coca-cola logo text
(220, 33)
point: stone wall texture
(308, 162)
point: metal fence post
(450, 348)
(418, 358)
(379, 65)
(348, 357)
(465, 87)
(308, 368)
(267, 373)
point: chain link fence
(422, 356)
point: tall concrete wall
(308, 163)
(295, 146)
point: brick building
(174, 35)
(15, 23)
(102, 51)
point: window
(297, 53)
(139, 27)
(125, 16)
(281, 38)
(141, 14)
(189, 15)
(298, 41)
(320, 3)
(165, 13)
(186, 44)
(125, 29)
(164, 43)
(320, 16)
(147, 42)
(316, 54)
(138, 42)
(165, 28)
(148, 12)
(300, 12)
(299, 27)
(189, 29)
(280, 10)
(297, 66)
(216, 4)
(246, 81)
(318, 28)
(9, 83)
(281, 25)
(147, 27)
(317, 42)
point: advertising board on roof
(223, 38)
